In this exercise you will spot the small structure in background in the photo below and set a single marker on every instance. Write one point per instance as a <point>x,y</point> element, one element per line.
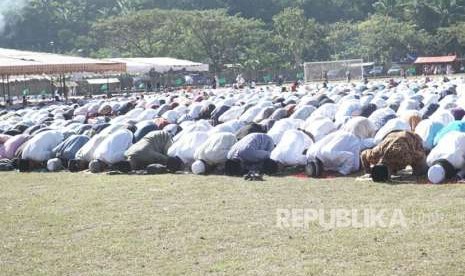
<point>152,74</point>
<point>102,86</point>
<point>439,65</point>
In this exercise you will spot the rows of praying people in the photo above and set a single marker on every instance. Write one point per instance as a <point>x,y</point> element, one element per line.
<point>379,128</point>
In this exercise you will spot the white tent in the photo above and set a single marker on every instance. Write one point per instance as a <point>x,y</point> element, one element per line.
<point>16,62</point>
<point>160,65</point>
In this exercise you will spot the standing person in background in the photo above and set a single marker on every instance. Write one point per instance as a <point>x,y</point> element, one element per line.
<point>214,83</point>
<point>280,80</point>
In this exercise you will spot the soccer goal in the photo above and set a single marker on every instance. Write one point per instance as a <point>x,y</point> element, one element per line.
<point>333,70</point>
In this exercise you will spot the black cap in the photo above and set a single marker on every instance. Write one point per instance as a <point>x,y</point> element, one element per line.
<point>174,164</point>
<point>233,168</point>
<point>380,173</point>
<point>270,167</point>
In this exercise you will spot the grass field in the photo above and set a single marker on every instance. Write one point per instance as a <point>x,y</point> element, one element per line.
<point>80,224</point>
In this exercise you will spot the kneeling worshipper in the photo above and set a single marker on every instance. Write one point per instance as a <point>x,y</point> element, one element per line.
<point>249,129</point>
<point>395,152</point>
<point>291,150</point>
<point>182,151</point>
<point>143,128</point>
<point>68,149</point>
<point>3,139</point>
<point>251,156</point>
<point>337,152</point>
<point>213,153</point>
<point>447,158</point>
<point>361,127</point>
<point>8,151</point>
<point>427,130</point>
<point>381,116</point>
<point>151,149</point>
<point>453,126</point>
<point>392,125</point>
<point>87,153</point>
<point>110,152</point>
<point>38,150</point>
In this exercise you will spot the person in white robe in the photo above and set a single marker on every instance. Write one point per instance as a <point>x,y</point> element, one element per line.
<point>447,157</point>
<point>338,152</point>
<point>39,149</point>
<point>213,153</point>
<point>291,150</point>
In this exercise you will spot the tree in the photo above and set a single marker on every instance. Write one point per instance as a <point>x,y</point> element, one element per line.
<point>387,7</point>
<point>343,40</point>
<point>450,39</point>
<point>433,14</point>
<point>295,35</point>
<point>384,38</point>
<point>447,11</point>
<point>144,34</point>
<point>221,38</point>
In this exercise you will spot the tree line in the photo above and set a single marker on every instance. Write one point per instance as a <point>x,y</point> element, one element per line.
<point>256,35</point>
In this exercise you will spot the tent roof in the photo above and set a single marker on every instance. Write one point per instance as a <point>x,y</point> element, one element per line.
<point>16,62</point>
<point>160,65</point>
<point>14,79</point>
<point>103,81</point>
<point>441,59</point>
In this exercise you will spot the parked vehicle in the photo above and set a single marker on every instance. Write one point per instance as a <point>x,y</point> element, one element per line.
<point>395,70</point>
<point>376,71</point>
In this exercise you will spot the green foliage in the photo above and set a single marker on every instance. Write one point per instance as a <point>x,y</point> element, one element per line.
<point>259,35</point>
<point>295,35</point>
<point>221,38</point>
<point>383,38</point>
<point>342,40</point>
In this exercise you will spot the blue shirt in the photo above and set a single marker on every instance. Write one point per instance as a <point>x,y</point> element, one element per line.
<point>454,126</point>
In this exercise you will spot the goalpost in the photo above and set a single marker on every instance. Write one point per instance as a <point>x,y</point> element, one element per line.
<point>333,70</point>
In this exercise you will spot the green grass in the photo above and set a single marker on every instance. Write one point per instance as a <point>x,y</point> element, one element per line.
<point>80,224</point>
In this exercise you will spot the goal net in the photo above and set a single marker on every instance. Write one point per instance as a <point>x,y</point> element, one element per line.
<point>333,70</point>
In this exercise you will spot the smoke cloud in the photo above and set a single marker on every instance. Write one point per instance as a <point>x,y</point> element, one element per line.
<point>8,7</point>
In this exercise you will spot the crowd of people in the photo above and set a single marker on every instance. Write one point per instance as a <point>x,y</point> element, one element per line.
<point>377,127</point>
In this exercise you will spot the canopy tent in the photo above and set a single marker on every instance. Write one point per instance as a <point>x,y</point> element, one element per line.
<point>16,62</point>
<point>436,60</point>
<point>25,78</point>
<point>160,65</point>
<point>103,81</point>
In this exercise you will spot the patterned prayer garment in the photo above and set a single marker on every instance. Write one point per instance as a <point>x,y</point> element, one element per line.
<point>397,151</point>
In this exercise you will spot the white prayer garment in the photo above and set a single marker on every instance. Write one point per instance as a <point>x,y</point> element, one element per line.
<point>40,147</point>
<point>451,148</point>
<point>339,152</point>
<point>215,150</point>
<point>186,146</point>
<point>290,150</point>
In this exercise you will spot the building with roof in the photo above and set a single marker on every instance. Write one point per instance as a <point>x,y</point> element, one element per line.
<point>437,65</point>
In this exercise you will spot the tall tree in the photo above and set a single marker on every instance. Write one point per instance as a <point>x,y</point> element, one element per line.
<point>222,38</point>
<point>295,34</point>
<point>447,11</point>
<point>384,39</point>
<point>387,7</point>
